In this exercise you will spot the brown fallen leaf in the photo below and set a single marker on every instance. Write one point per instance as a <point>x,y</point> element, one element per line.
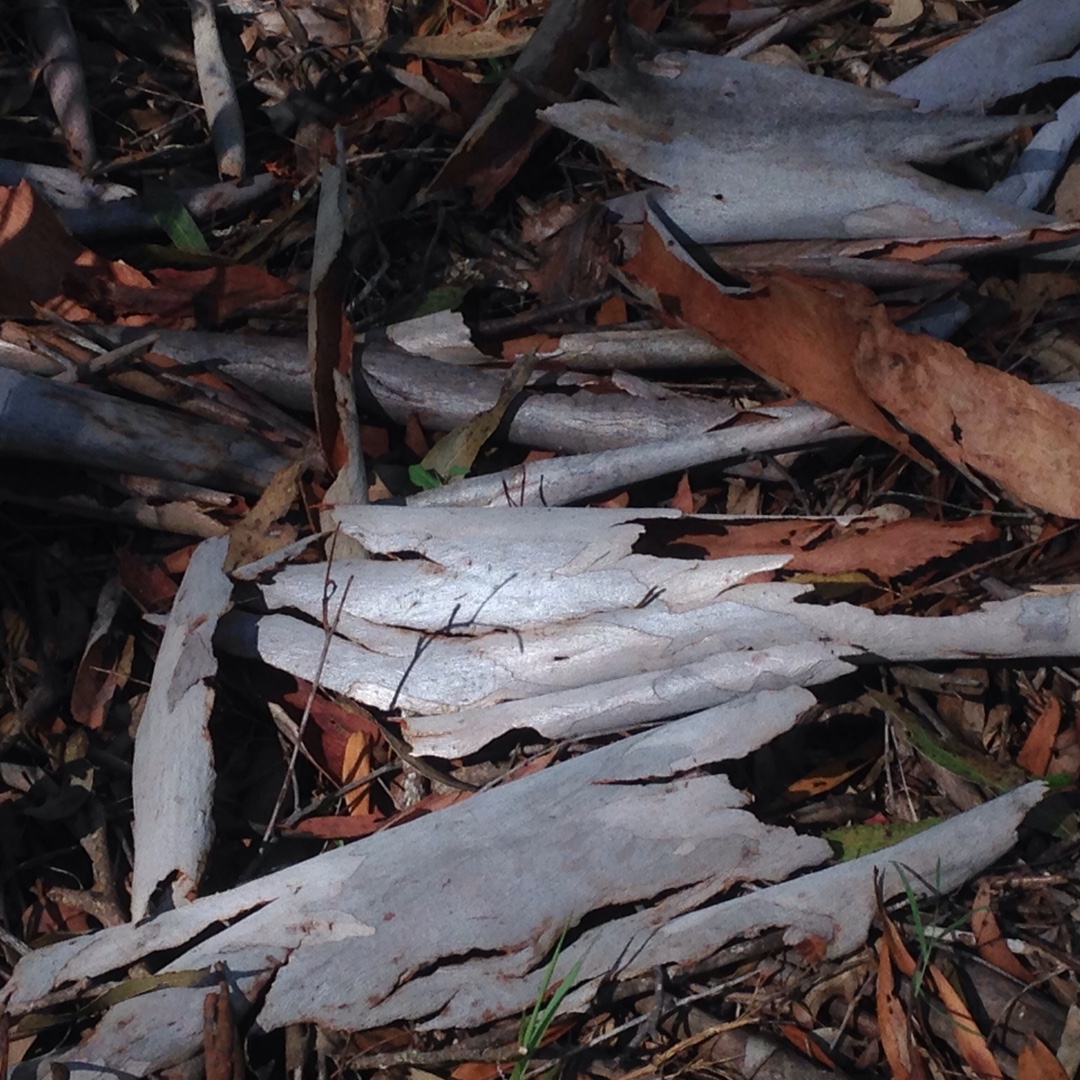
<point>976,416</point>
<point>970,1041</point>
<point>757,538</point>
<point>683,499</point>
<point>1035,754</point>
<point>797,331</point>
<point>466,42</point>
<point>261,530</point>
<point>989,939</point>
<point>884,549</point>
<point>40,261</point>
<point>206,298</point>
<point>893,548</point>
<point>453,455</point>
<point>834,344</point>
<point>1036,1061</point>
<point>223,1047</point>
<point>897,1037</point>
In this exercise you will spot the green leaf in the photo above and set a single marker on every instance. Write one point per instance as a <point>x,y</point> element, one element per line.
<point>441,298</point>
<point>174,218</point>
<point>948,752</point>
<point>424,478</point>
<point>533,1026</point>
<point>854,841</point>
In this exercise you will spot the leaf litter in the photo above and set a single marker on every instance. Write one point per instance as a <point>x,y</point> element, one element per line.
<point>818,594</point>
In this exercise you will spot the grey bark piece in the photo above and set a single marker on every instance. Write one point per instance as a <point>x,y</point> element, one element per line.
<point>346,964</point>
<point>63,74</point>
<point>51,421</point>
<point>1008,54</point>
<point>618,704</point>
<point>173,770</point>
<point>62,188</point>
<point>469,703</point>
<point>568,537</point>
<point>442,397</point>
<point>836,904</point>
<point>482,669</point>
<point>501,873</point>
<point>632,350</point>
<point>128,218</point>
<point>563,480</point>
<point>507,596</point>
<point>275,366</point>
<point>545,619</point>
<point>1029,181</point>
<point>751,152</point>
<point>806,646</point>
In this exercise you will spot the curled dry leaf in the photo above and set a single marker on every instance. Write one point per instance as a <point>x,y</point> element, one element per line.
<point>976,416</point>
<point>796,331</point>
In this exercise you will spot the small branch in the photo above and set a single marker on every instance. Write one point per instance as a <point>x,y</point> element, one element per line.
<point>218,92</point>
<point>62,70</point>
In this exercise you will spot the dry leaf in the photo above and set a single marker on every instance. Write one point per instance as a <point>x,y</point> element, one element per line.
<point>40,262</point>
<point>683,499</point>
<point>1037,1062</point>
<point>969,1040</point>
<point>465,42</point>
<point>797,331</point>
<point>988,936</point>
<point>357,761</point>
<point>1035,754</point>
<point>453,455</point>
<point>223,1046</point>
<point>884,549</point>
<point>893,548</point>
<point>260,532</point>
<point>976,416</point>
<point>897,1038</point>
<point>901,13</point>
<point>832,343</point>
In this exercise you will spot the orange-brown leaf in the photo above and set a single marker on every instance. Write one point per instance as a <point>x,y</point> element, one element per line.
<point>42,263</point>
<point>897,1038</point>
<point>897,949</point>
<point>893,548</point>
<point>989,939</point>
<point>1036,1062</point>
<point>976,416</point>
<point>1039,745</point>
<point>801,332</point>
<point>972,1045</point>
<point>835,345</point>
<point>683,499</point>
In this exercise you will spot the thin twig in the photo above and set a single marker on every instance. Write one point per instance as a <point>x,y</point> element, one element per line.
<point>218,92</point>
<point>62,70</point>
<point>329,630</point>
